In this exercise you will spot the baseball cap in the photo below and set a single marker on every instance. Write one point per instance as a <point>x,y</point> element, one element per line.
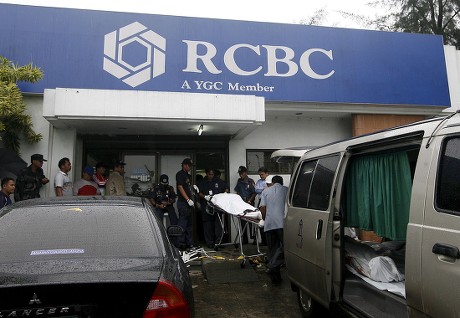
<point>187,161</point>
<point>242,169</point>
<point>89,170</point>
<point>164,179</point>
<point>119,163</point>
<point>38,157</point>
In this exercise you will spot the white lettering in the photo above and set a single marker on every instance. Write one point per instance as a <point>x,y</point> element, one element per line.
<point>272,61</point>
<point>230,63</point>
<point>306,67</point>
<point>207,85</point>
<point>277,56</point>
<point>193,57</point>
<point>185,85</point>
<point>250,88</point>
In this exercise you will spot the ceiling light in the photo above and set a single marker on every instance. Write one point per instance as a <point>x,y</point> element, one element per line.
<point>200,130</point>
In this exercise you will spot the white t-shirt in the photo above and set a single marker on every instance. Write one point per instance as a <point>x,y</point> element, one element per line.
<point>63,180</point>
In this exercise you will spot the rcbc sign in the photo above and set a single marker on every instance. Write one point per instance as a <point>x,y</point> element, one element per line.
<point>134,39</point>
<point>117,46</point>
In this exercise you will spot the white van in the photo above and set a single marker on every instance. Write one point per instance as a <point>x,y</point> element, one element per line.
<point>403,186</point>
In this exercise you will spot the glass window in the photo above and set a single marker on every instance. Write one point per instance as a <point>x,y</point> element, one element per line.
<point>322,183</point>
<point>303,184</point>
<point>262,158</point>
<point>314,183</point>
<point>448,183</point>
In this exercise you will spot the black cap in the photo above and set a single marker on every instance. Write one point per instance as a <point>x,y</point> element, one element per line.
<point>119,163</point>
<point>38,157</point>
<point>164,179</point>
<point>187,161</point>
<point>242,169</point>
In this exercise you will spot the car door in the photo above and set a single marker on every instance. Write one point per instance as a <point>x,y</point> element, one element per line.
<point>440,239</point>
<point>308,246</point>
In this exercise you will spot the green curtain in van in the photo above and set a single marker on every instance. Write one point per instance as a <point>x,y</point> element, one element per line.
<point>378,194</point>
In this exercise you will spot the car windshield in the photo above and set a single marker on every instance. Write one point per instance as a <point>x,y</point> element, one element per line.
<point>76,231</point>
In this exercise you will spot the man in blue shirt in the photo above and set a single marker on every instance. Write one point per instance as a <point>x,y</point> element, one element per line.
<point>245,188</point>
<point>185,204</point>
<point>8,186</point>
<point>209,186</point>
<point>272,206</point>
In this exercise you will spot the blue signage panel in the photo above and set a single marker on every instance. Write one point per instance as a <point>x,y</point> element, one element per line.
<point>282,62</point>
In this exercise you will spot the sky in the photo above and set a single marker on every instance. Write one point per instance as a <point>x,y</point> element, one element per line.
<point>284,11</point>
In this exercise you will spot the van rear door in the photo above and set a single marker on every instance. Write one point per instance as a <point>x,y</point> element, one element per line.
<point>308,226</point>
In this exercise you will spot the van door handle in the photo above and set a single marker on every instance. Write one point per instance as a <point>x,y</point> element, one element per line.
<point>446,249</point>
<point>319,229</point>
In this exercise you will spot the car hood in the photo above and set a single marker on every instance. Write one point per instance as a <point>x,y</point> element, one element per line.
<point>81,271</point>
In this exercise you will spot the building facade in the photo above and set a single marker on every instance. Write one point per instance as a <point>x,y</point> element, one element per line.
<point>152,90</point>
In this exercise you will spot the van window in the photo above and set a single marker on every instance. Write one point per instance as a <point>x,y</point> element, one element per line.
<point>314,183</point>
<point>448,184</point>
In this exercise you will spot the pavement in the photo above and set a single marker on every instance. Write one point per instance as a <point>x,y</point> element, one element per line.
<point>222,287</point>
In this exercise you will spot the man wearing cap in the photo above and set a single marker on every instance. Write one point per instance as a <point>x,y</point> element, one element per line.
<point>162,197</point>
<point>245,188</point>
<point>30,180</point>
<point>62,183</point>
<point>185,204</point>
<point>86,185</point>
<point>116,183</point>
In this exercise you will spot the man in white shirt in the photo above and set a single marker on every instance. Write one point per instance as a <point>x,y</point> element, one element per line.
<point>62,182</point>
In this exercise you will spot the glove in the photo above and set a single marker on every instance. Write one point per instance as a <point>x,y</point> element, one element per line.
<point>207,197</point>
<point>196,188</point>
<point>190,202</point>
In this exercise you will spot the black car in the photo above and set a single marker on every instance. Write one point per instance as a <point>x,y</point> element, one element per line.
<point>85,257</point>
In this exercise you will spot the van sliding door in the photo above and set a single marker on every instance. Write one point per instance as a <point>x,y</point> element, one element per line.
<point>308,246</point>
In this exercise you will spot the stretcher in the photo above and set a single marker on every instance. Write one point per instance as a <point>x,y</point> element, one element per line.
<point>234,205</point>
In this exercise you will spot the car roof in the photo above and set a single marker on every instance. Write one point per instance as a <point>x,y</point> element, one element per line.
<point>82,200</point>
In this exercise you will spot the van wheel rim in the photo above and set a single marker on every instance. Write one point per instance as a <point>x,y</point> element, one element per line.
<point>305,302</point>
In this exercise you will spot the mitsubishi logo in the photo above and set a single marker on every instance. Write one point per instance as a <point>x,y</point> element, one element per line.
<point>34,300</point>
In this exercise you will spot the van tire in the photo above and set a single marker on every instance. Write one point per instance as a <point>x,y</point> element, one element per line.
<point>308,307</point>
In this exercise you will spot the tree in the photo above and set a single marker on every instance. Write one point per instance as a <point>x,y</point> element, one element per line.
<point>14,122</point>
<point>420,16</point>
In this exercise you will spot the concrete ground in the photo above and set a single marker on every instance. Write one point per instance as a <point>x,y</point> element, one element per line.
<point>232,291</point>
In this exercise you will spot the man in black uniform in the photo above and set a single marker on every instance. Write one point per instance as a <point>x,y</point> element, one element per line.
<point>185,204</point>
<point>211,226</point>
<point>30,180</point>
<point>162,197</point>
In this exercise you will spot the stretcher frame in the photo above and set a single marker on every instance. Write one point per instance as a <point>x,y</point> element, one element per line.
<point>242,230</point>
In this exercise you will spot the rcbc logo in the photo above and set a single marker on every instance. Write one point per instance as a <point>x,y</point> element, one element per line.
<point>134,54</point>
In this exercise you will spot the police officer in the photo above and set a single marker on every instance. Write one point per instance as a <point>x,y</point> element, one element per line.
<point>30,180</point>
<point>185,204</point>
<point>162,197</point>
<point>209,186</point>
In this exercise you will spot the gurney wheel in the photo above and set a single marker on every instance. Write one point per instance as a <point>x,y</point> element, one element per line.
<point>243,263</point>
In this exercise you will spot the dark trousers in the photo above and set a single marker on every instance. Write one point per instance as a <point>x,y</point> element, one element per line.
<point>211,227</point>
<point>275,246</point>
<point>186,223</point>
<point>171,214</point>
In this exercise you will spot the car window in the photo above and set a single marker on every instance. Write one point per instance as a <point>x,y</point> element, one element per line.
<point>448,181</point>
<point>65,231</point>
<point>314,183</point>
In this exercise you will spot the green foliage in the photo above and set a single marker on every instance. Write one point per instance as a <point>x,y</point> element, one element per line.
<point>14,122</point>
<point>421,16</point>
